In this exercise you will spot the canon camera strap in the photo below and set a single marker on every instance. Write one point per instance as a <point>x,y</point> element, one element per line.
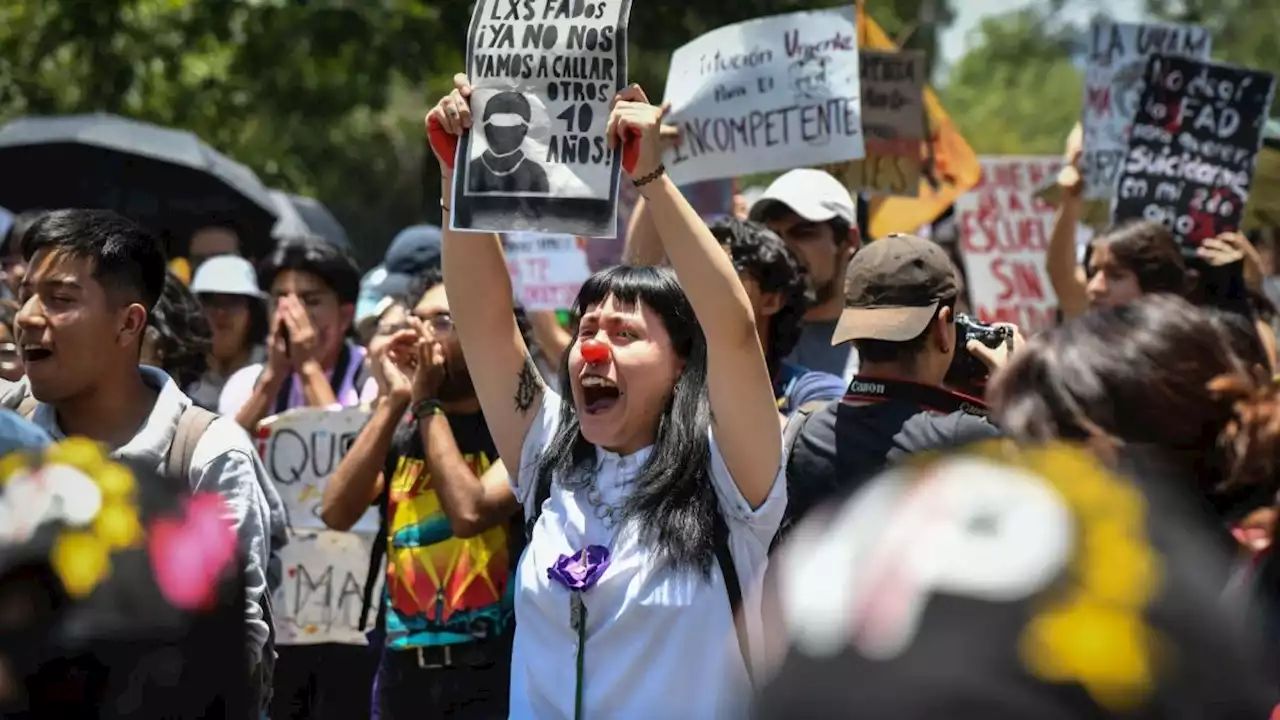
<point>864,388</point>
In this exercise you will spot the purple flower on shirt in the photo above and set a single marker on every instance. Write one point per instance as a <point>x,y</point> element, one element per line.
<point>582,570</point>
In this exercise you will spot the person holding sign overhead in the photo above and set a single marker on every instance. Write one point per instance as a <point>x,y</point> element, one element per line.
<point>653,488</point>
<point>503,166</point>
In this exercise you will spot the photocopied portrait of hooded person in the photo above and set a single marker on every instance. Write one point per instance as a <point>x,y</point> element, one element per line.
<point>503,167</point>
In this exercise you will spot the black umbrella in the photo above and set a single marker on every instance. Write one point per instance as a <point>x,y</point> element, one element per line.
<point>320,220</point>
<point>300,216</point>
<point>167,179</point>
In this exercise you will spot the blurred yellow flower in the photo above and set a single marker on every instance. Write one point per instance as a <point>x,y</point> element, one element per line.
<point>1107,650</point>
<point>78,452</point>
<point>117,526</point>
<point>116,482</point>
<point>81,562</point>
<point>14,462</point>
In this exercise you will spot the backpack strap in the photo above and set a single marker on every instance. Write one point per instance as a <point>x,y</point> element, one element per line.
<point>192,424</point>
<point>378,553</point>
<point>27,407</point>
<point>733,586</point>
<point>797,421</point>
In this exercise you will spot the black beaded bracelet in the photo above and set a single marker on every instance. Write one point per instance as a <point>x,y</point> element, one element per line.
<point>425,407</point>
<point>651,176</point>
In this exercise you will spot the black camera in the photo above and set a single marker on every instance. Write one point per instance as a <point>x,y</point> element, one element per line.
<point>967,373</point>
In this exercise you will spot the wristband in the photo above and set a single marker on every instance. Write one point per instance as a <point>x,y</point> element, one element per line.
<point>423,408</point>
<point>641,181</point>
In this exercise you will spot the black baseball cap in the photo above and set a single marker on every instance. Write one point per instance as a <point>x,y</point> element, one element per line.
<point>414,249</point>
<point>893,288</point>
<point>1004,582</point>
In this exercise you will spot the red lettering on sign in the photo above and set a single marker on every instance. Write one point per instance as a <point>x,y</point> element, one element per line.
<point>1098,100</point>
<point>1018,279</point>
<point>986,232</point>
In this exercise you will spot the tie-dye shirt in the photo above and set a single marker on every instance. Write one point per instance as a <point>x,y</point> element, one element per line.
<point>443,590</point>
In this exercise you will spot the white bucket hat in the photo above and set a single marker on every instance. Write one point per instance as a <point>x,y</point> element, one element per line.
<point>227,275</point>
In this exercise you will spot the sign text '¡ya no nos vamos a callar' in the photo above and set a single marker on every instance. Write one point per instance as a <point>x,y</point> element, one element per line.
<point>541,39</point>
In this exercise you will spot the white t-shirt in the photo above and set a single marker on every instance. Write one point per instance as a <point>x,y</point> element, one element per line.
<point>660,643</point>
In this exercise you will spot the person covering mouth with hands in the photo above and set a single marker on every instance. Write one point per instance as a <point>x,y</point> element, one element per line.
<point>652,490</point>
<point>310,362</point>
<point>427,460</point>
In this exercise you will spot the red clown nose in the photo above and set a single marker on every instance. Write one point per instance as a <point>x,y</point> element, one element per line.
<point>594,351</point>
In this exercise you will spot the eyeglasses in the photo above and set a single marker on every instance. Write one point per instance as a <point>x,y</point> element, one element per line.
<point>440,322</point>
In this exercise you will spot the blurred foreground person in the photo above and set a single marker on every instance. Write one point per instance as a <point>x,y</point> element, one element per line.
<point>93,279</point>
<point>1156,377</point>
<point>123,594</point>
<point>1179,386</point>
<point>1008,584</point>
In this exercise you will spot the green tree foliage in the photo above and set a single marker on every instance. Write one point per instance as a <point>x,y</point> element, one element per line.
<point>1244,31</point>
<point>1017,91</point>
<point>323,98</point>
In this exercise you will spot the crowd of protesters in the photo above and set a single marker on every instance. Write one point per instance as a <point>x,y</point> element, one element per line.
<point>768,466</point>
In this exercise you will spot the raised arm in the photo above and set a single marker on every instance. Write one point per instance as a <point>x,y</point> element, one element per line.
<point>742,403</point>
<point>479,289</point>
<point>358,481</point>
<point>1060,259</point>
<point>643,246</point>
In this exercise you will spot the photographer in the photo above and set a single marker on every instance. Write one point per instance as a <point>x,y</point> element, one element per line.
<point>900,296</point>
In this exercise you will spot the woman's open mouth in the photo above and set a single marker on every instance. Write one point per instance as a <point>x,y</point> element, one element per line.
<point>598,394</point>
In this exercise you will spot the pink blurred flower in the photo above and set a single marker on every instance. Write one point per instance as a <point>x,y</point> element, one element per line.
<point>190,554</point>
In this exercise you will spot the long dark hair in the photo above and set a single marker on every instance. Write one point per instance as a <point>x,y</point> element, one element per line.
<point>184,336</point>
<point>673,505</point>
<point>760,253</point>
<point>1155,374</point>
<point>1147,249</point>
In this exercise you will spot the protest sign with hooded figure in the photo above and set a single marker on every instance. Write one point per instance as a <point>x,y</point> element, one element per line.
<point>543,75</point>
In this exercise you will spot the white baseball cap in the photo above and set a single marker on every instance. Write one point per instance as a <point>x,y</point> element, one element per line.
<point>814,195</point>
<point>227,275</point>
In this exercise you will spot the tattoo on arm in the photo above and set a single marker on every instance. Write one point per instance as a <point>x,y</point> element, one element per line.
<point>530,384</point>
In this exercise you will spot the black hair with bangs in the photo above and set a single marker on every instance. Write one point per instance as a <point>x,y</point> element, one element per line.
<point>673,505</point>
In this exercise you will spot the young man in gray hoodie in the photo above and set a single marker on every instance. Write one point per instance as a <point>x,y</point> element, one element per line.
<point>93,279</point>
